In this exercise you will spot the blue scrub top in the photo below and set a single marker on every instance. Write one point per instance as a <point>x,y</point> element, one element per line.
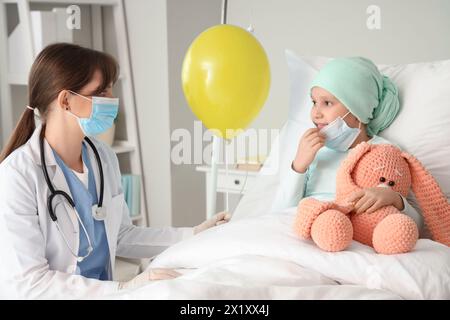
<point>97,264</point>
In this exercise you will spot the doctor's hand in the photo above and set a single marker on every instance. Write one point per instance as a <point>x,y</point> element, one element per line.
<point>147,276</point>
<point>217,219</point>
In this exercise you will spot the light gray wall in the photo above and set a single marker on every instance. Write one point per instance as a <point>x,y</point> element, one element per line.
<point>185,20</point>
<point>1,131</point>
<point>411,31</point>
<point>147,31</point>
<point>161,30</point>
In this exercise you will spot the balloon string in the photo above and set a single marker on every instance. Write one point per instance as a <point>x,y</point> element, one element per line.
<point>227,198</point>
<point>250,27</point>
<point>224,12</point>
<point>251,13</point>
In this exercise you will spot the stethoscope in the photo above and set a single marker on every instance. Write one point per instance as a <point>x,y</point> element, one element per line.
<point>98,212</point>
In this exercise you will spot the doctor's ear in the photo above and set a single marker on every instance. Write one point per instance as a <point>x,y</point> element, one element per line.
<point>63,99</point>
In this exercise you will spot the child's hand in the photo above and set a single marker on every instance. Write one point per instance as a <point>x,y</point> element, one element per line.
<point>369,200</point>
<point>308,146</point>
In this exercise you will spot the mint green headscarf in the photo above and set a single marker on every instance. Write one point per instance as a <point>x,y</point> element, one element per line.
<point>359,85</point>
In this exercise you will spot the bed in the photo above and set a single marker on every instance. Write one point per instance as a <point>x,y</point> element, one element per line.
<point>257,255</point>
<point>260,258</point>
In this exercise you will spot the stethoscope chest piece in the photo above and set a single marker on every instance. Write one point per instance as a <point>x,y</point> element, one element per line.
<point>99,213</point>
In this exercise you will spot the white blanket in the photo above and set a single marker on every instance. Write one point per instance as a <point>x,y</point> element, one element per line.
<point>260,258</point>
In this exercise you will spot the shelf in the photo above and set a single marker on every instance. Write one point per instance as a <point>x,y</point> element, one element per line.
<point>231,170</point>
<point>18,47</point>
<point>122,146</point>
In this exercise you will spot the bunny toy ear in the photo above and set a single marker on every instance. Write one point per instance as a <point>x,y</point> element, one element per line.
<point>432,201</point>
<point>344,181</point>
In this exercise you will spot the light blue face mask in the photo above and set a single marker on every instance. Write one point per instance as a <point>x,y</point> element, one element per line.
<point>338,135</point>
<point>104,111</point>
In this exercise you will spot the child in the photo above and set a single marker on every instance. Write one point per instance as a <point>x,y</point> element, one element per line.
<point>352,102</point>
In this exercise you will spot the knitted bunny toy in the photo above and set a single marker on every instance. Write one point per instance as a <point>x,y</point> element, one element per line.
<point>332,225</point>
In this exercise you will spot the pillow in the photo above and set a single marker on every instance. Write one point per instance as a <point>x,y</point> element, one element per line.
<point>259,198</point>
<point>301,75</point>
<point>422,127</point>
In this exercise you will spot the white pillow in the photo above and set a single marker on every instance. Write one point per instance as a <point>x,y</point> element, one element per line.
<point>259,198</point>
<point>422,127</point>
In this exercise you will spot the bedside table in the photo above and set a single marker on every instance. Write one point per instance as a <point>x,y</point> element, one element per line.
<point>237,182</point>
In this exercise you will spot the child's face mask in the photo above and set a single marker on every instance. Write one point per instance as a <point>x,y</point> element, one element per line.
<point>104,111</point>
<point>338,135</point>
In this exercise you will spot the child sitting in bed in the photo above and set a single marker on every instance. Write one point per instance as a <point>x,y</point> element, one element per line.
<point>351,102</point>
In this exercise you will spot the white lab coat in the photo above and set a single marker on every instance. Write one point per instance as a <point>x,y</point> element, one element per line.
<point>34,260</point>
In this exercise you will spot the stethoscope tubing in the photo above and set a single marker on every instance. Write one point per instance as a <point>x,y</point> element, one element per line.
<point>54,193</point>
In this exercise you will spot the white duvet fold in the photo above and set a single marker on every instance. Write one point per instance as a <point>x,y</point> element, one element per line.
<point>260,258</point>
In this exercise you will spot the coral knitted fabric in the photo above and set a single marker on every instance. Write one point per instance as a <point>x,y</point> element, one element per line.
<point>332,239</point>
<point>395,234</point>
<point>365,223</point>
<point>310,209</point>
<point>389,231</point>
<point>432,201</point>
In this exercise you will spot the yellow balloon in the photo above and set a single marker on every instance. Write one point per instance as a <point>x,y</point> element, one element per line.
<point>226,78</point>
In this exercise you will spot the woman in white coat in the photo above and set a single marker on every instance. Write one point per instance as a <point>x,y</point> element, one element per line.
<point>65,247</point>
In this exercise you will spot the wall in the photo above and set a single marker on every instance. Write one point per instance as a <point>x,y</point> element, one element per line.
<point>186,19</point>
<point>161,30</point>
<point>147,31</point>
<point>160,33</point>
<point>411,31</point>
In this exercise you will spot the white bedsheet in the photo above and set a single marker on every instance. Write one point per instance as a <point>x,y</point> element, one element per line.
<point>260,258</point>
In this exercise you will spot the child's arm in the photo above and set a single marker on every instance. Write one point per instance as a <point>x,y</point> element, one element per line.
<point>290,192</point>
<point>410,211</point>
<point>292,182</point>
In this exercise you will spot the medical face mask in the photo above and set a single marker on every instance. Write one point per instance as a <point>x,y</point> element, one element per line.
<point>104,111</point>
<point>338,135</point>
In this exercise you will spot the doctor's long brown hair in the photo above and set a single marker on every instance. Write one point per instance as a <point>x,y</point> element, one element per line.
<point>60,66</point>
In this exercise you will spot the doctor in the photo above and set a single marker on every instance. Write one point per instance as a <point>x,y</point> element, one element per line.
<point>63,217</point>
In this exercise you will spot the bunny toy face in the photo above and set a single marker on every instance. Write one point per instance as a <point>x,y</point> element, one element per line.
<point>383,167</point>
